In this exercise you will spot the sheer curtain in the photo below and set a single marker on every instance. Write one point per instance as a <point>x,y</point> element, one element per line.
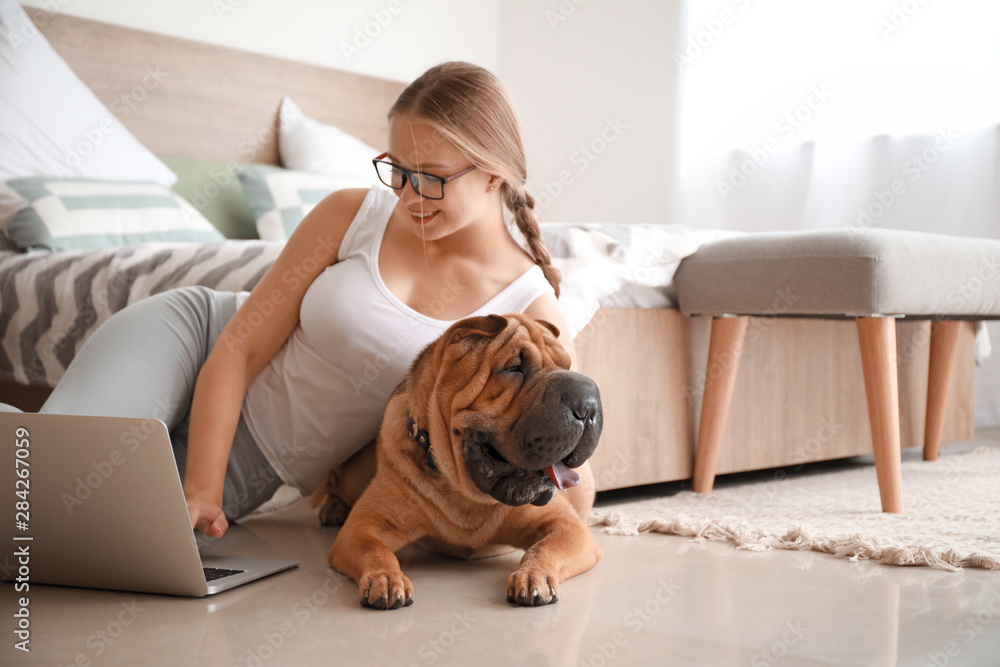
<point>806,115</point>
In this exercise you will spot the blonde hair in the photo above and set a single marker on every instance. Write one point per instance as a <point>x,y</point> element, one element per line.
<point>472,110</point>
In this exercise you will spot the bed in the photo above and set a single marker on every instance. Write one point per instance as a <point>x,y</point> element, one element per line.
<point>214,116</point>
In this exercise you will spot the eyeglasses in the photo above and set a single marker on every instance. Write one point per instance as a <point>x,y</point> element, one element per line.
<point>427,186</point>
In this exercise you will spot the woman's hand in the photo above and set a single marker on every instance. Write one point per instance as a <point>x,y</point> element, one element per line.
<point>207,516</point>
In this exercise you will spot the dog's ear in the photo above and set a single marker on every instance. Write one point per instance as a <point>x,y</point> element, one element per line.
<point>486,325</point>
<point>551,327</point>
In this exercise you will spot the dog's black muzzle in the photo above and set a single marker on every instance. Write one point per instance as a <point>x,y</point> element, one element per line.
<point>562,425</point>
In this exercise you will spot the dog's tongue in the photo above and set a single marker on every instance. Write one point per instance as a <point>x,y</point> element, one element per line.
<point>563,477</point>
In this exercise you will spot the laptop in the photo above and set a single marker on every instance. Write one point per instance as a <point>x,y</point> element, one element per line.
<point>97,502</point>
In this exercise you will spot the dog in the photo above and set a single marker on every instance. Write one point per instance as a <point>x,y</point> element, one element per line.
<point>473,448</point>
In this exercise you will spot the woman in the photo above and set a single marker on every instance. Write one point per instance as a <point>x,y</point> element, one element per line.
<point>295,380</point>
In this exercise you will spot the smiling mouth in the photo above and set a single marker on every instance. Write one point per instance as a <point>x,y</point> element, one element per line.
<point>422,218</point>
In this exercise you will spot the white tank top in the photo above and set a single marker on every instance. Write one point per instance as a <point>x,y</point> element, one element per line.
<point>321,398</point>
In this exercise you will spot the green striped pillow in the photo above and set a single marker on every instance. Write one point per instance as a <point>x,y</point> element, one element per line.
<point>281,198</point>
<point>45,213</point>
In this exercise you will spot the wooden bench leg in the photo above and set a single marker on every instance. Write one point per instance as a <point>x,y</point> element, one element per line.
<point>877,336</point>
<point>724,350</point>
<point>944,340</point>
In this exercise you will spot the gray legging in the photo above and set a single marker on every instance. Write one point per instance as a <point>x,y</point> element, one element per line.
<point>143,362</point>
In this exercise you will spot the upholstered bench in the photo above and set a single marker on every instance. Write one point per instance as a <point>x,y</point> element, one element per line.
<point>870,275</point>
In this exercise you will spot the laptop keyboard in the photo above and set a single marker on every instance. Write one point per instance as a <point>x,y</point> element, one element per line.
<point>214,573</point>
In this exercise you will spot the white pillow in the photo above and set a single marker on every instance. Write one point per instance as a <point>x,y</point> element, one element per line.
<point>52,124</point>
<point>281,198</point>
<point>308,145</point>
<point>41,213</point>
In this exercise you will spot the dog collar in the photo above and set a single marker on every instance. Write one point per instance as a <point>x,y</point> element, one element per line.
<point>422,438</point>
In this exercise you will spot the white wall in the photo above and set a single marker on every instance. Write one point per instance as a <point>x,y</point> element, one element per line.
<point>596,87</point>
<point>394,39</point>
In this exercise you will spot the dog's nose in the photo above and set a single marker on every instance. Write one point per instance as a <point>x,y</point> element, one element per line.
<point>580,394</point>
<point>584,409</point>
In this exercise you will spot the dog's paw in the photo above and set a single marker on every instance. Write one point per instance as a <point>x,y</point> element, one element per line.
<point>385,590</point>
<point>532,588</point>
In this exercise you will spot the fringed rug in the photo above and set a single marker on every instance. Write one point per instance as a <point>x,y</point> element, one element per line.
<point>951,516</point>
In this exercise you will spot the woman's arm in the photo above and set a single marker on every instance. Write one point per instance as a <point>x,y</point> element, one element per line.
<point>247,343</point>
<point>547,308</point>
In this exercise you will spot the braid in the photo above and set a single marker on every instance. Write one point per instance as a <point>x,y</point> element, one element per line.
<point>522,205</point>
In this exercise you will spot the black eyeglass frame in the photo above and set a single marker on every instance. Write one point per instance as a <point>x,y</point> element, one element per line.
<point>409,176</point>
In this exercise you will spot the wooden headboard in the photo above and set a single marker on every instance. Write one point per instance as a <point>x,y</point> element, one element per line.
<point>188,99</point>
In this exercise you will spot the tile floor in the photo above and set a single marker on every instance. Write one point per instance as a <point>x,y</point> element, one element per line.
<point>653,600</point>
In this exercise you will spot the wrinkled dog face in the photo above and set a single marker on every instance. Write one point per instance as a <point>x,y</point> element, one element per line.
<point>526,421</point>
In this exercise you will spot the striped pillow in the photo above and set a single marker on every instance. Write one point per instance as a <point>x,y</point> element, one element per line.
<point>281,198</point>
<point>45,213</point>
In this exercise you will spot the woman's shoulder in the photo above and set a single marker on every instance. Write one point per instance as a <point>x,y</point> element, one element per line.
<point>349,202</point>
<point>326,225</point>
<point>344,203</point>
<point>340,208</point>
